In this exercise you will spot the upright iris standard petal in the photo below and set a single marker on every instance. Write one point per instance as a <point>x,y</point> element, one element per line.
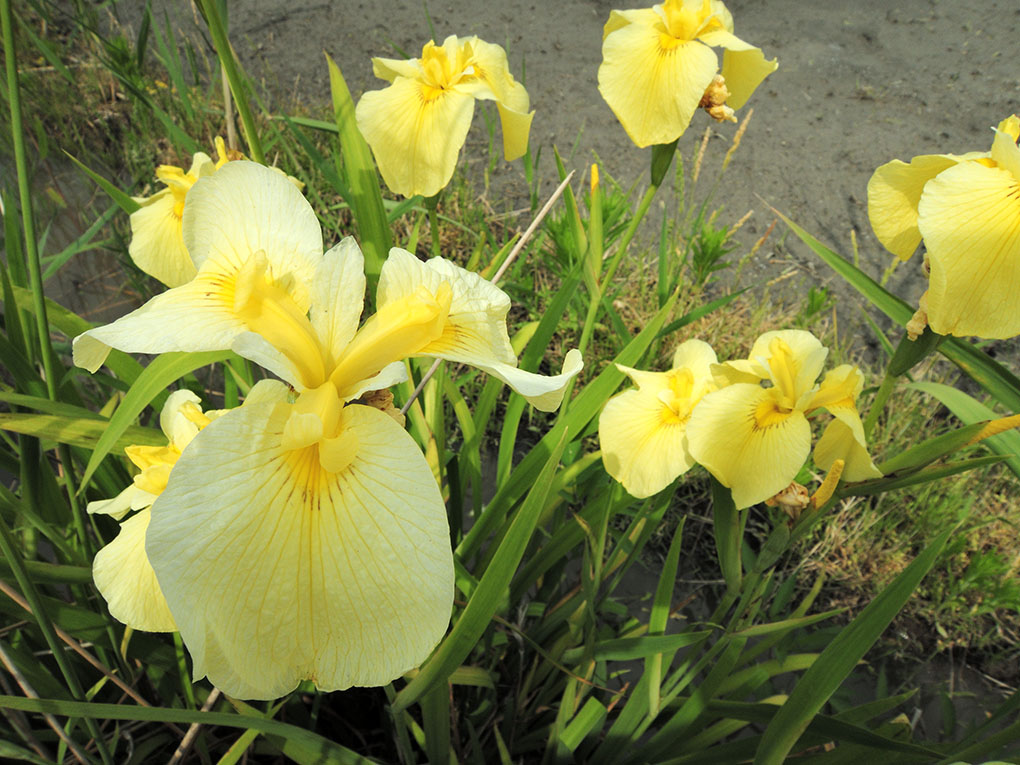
<point>642,432</point>
<point>279,571</point>
<point>240,211</point>
<point>658,67</point>
<point>417,125</point>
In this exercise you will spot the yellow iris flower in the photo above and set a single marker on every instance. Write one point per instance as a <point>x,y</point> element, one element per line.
<point>121,570</point>
<point>966,208</point>
<point>417,125</point>
<point>302,535</point>
<point>157,245</point>
<point>658,67</point>
<point>755,439</point>
<point>642,431</point>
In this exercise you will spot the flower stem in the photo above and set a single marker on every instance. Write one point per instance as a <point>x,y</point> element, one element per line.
<point>878,403</point>
<point>646,202</point>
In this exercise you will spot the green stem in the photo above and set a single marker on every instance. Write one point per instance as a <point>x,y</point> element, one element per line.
<point>25,583</point>
<point>237,84</point>
<point>878,403</point>
<point>646,202</point>
<point>431,204</point>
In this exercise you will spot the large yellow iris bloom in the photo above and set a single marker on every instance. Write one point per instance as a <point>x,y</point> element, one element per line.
<point>642,431</point>
<point>658,67</point>
<point>302,535</point>
<point>417,125</point>
<point>755,439</point>
<point>966,208</point>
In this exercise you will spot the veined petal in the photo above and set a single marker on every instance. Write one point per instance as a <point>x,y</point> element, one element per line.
<point>338,296</point>
<point>254,347</point>
<point>743,67</point>
<point>278,571</point>
<point>126,580</point>
<point>642,442</point>
<point>843,439</point>
<point>653,82</point>
<point>415,132</point>
<point>391,375</point>
<point>970,219</point>
<point>894,192</point>
<point>742,438</point>
<point>475,329</point>
<point>839,389</point>
<point>244,208</point>
<point>542,392</point>
<point>157,245</point>
<point>197,316</point>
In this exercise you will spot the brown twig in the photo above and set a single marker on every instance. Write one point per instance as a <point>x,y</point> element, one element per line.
<point>192,734</point>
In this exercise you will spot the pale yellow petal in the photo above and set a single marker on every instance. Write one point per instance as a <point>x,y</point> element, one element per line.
<point>619,19</point>
<point>244,208</point>
<point>177,427</point>
<point>653,90</point>
<point>894,192</point>
<point>391,374</point>
<point>697,356</point>
<point>278,571</point>
<point>118,506</point>
<point>157,245</point>
<point>390,68</point>
<point>512,101</point>
<point>415,132</point>
<point>125,579</point>
<point>1005,151</point>
<point>642,442</point>
<point>796,368</point>
<point>475,330</point>
<point>743,66</point>
<point>254,347</point>
<point>338,295</point>
<point>843,439</point>
<point>970,219</point>
<point>197,316</point>
<point>740,437</point>
<point>545,393</point>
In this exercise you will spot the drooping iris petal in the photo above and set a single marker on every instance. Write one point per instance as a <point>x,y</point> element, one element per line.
<point>118,506</point>
<point>653,82</point>
<point>747,442</point>
<point>124,576</point>
<point>415,132</point>
<point>512,101</point>
<point>743,67</point>
<point>969,216</point>
<point>894,191</point>
<point>843,439</point>
<point>475,329</point>
<point>279,571</point>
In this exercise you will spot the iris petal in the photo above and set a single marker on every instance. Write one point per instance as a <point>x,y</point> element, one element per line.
<point>278,571</point>
<point>969,216</point>
<point>157,244</point>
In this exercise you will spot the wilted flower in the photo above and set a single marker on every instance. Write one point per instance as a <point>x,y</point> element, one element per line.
<point>642,431</point>
<point>417,125</point>
<point>966,208</point>
<point>658,67</point>
<point>302,535</point>
<point>755,439</point>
